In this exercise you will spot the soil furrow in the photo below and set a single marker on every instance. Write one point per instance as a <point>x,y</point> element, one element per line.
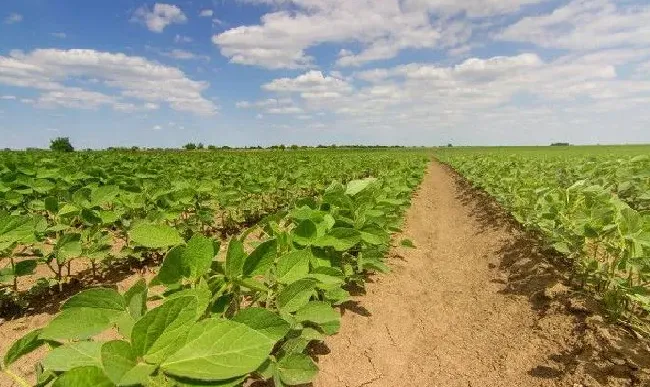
<point>472,305</point>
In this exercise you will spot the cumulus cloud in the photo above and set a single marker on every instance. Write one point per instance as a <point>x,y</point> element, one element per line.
<point>382,28</point>
<point>585,25</point>
<point>311,85</point>
<point>497,92</point>
<point>137,83</point>
<point>206,13</point>
<point>159,17</point>
<point>13,18</point>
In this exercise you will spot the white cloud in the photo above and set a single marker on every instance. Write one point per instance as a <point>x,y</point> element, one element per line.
<point>585,25</point>
<point>494,93</point>
<point>472,8</point>
<point>13,18</point>
<point>272,105</point>
<point>133,79</point>
<point>182,39</point>
<point>284,110</point>
<point>60,35</point>
<point>206,13</point>
<point>183,55</point>
<point>382,28</point>
<point>311,85</point>
<point>8,97</point>
<point>159,17</point>
<point>157,127</point>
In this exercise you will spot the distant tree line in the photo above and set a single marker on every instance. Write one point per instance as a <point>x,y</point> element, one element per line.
<point>63,144</point>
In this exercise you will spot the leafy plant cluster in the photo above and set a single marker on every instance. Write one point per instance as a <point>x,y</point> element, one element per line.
<point>224,321</point>
<point>592,208</point>
<point>56,208</point>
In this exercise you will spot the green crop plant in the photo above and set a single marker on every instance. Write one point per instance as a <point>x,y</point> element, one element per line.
<point>251,314</point>
<point>85,206</point>
<point>590,204</point>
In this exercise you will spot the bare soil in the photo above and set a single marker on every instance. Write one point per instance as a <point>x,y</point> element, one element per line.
<point>475,304</point>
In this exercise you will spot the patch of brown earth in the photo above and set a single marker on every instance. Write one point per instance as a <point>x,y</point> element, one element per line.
<point>475,304</point>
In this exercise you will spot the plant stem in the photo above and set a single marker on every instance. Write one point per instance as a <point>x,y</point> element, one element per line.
<point>13,270</point>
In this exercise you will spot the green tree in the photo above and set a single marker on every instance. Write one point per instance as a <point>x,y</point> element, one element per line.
<point>190,146</point>
<point>61,144</point>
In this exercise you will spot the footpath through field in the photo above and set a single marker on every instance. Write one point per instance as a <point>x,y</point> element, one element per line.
<point>472,305</point>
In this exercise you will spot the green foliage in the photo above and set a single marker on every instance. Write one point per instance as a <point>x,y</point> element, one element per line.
<point>219,323</point>
<point>61,144</point>
<point>591,204</point>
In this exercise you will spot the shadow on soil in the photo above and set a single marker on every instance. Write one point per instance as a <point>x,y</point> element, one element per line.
<point>595,350</point>
<point>49,299</point>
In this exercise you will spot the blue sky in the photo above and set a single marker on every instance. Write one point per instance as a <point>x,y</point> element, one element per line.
<point>261,72</point>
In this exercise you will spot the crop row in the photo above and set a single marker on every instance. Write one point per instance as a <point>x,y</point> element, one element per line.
<point>592,208</point>
<point>83,206</point>
<point>223,321</point>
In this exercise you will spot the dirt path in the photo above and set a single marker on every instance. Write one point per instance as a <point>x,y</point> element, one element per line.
<point>473,305</point>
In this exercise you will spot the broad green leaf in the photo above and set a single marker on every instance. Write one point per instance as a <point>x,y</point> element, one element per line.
<point>23,346</point>
<point>296,368</point>
<point>26,267</point>
<point>296,295</point>
<point>117,358</point>
<point>155,235</point>
<point>135,299</point>
<point>85,314</point>
<point>305,233</point>
<point>263,321</point>
<point>219,349</point>
<point>322,314</point>
<point>79,323</point>
<point>374,235</point>
<point>253,284</point>
<point>103,194</point>
<point>293,266</point>
<point>258,262</point>
<point>138,375</point>
<point>98,298</point>
<point>162,330</point>
<point>68,247</point>
<point>337,295</point>
<point>340,238</point>
<point>201,293</point>
<point>51,204</point>
<point>198,255</point>
<point>296,345</point>
<point>68,209</point>
<point>73,355</point>
<point>172,269</point>
<point>83,376</point>
<point>356,186</point>
<point>235,257</point>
